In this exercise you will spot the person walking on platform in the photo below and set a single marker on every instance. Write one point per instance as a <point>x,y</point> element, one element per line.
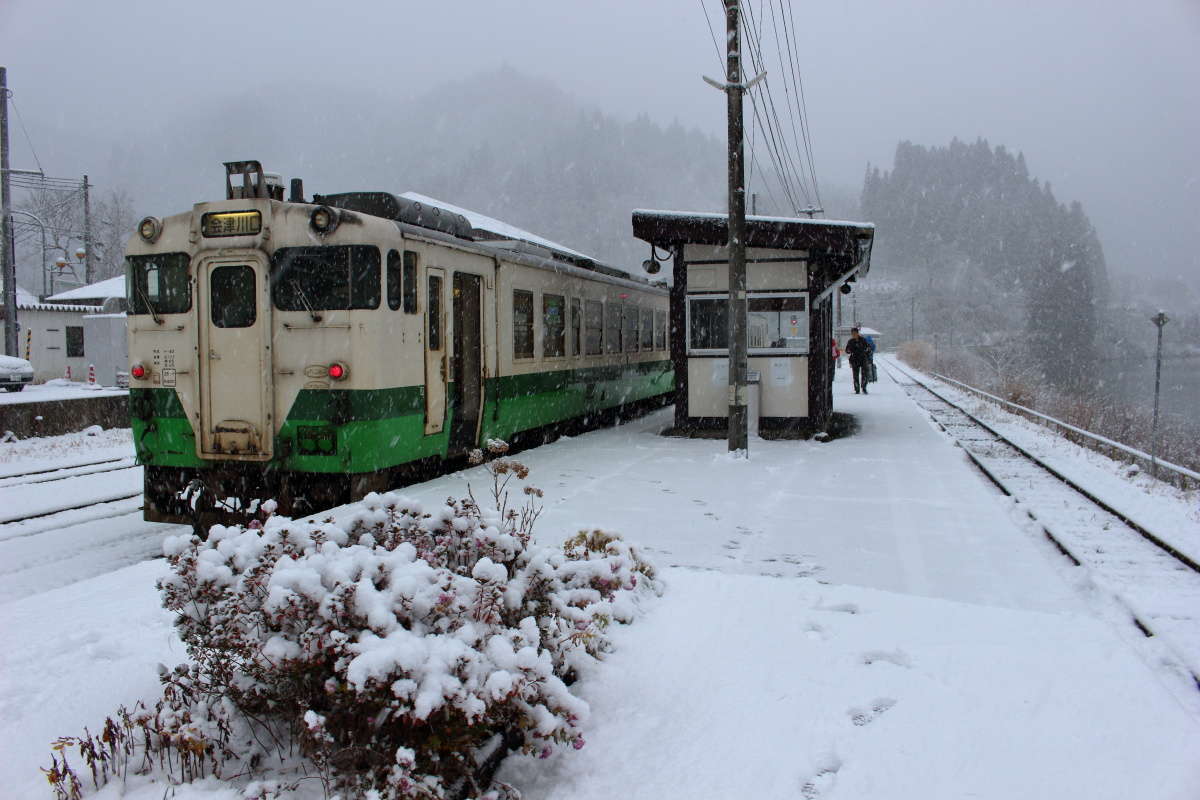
<point>872,376</point>
<point>859,352</point>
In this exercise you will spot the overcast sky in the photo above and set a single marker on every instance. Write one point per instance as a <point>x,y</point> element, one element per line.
<point>1103,97</point>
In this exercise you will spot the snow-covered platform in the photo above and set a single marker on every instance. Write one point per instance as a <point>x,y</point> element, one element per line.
<point>863,618</point>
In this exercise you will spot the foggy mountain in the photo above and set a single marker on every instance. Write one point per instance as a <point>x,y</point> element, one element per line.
<point>501,143</point>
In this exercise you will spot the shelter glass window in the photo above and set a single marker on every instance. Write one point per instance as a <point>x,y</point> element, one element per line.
<point>593,326</point>
<point>777,323</point>
<point>660,330</point>
<point>232,296</point>
<point>435,312</point>
<point>612,328</point>
<point>522,324</point>
<point>158,284</point>
<point>554,325</point>
<point>647,329</point>
<point>708,323</point>
<point>410,282</point>
<point>326,278</point>
<point>576,327</point>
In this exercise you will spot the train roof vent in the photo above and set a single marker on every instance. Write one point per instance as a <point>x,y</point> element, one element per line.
<point>400,209</point>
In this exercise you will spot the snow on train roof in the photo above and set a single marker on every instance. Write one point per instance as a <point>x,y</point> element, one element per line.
<point>494,226</point>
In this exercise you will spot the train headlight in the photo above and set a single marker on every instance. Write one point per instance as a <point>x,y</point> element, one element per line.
<point>324,220</point>
<point>138,371</point>
<point>150,229</point>
<point>338,371</point>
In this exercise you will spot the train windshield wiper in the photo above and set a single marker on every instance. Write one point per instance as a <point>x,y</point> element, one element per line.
<point>304,299</point>
<point>146,300</point>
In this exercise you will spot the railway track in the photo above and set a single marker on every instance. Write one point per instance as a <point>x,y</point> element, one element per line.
<point>64,473</point>
<point>1155,580</point>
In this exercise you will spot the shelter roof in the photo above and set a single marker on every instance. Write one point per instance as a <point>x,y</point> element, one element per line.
<point>840,244</point>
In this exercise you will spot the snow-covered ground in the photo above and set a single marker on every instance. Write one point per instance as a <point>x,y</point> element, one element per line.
<point>57,389</point>
<point>864,618</point>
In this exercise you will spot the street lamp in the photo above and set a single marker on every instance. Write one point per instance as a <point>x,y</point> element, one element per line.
<point>1160,320</point>
<point>41,224</point>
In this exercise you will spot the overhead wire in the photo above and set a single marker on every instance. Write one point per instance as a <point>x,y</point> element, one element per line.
<point>784,168</point>
<point>788,70</point>
<point>13,102</point>
<point>808,142</point>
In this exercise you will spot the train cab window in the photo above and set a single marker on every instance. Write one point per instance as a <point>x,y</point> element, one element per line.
<point>612,328</point>
<point>232,297</point>
<point>647,329</point>
<point>629,328</point>
<point>522,324</point>
<point>410,282</point>
<point>593,327</point>
<point>394,280</point>
<point>326,278</point>
<point>576,327</point>
<point>435,312</point>
<point>158,284</point>
<point>660,330</point>
<point>554,326</point>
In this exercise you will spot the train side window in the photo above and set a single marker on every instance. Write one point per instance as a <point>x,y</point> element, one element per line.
<point>394,280</point>
<point>576,327</point>
<point>593,327</point>
<point>232,296</point>
<point>554,325</point>
<point>660,330</point>
<point>612,328</point>
<point>522,324</point>
<point>647,329</point>
<point>410,282</point>
<point>629,328</point>
<point>435,312</point>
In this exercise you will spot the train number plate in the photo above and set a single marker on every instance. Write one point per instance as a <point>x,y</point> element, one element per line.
<point>231,223</point>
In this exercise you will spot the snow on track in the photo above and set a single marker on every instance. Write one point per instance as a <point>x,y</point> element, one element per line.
<point>1161,591</point>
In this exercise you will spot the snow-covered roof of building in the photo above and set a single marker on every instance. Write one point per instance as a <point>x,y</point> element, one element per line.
<point>495,227</point>
<point>27,301</point>
<point>101,290</point>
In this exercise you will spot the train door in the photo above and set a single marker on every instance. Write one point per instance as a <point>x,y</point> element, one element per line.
<point>233,339</point>
<point>435,352</point>
<point>467,374</point>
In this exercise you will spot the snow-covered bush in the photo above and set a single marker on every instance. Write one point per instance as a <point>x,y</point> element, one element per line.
<point>397,652</point>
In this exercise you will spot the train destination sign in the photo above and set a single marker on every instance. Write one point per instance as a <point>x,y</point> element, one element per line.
<point>231,223</point>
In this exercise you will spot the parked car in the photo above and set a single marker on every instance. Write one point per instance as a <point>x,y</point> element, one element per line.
<point>15,373</point>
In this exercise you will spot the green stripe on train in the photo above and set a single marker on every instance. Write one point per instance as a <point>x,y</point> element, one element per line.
<point>379,428</point>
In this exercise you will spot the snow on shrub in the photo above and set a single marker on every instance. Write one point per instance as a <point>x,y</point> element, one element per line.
<point>403,653</point>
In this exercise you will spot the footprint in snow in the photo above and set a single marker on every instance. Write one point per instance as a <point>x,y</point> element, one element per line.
<point>861,717</point>
<point>824,778</point>
<point>731,545</point>
<point>815,631</point>
<point>840,608</point>
<point>897,657</point>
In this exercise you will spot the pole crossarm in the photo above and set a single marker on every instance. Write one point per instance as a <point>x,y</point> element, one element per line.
<point>725,87</point>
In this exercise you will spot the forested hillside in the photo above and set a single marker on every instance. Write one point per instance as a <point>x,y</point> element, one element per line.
<point>989,254</point>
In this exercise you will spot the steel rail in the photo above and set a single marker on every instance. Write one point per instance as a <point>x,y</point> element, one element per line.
<point>1101,440</point>
<point>1149,535</point>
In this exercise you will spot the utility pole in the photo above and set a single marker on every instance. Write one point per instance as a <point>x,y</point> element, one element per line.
<point>87,234</point>
<point>11,345</point>
<point>734,88</point>
<point>1160,320</point>
<point>912,318</point>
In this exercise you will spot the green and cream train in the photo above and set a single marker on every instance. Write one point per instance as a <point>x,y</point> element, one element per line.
<point>313,351</point>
